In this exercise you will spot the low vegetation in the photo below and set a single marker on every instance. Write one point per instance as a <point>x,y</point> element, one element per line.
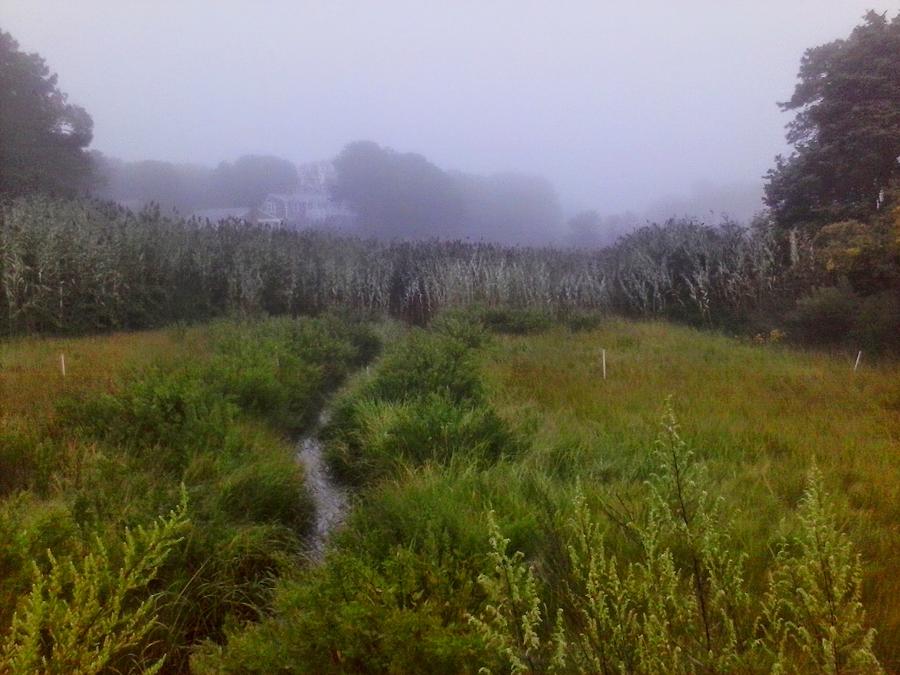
<point>517,512</point>
<point>192,421</point>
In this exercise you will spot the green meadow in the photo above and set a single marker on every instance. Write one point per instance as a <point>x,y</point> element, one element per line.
<point>710,505</point>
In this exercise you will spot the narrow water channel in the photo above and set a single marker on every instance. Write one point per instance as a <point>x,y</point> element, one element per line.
<point>330,499</point>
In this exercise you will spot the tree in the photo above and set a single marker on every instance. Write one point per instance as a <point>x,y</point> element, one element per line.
<point>250,178</point>
<point>184,187</point>
<point>396,194</point>
<point>43,138</point>
<point>846,133</point>
<point>510,207</point>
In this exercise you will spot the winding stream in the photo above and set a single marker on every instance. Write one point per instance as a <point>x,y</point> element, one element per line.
<point>330,499</point>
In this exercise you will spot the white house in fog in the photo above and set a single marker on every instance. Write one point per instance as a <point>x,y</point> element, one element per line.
<point>305,207</point>
<point>311,203</point>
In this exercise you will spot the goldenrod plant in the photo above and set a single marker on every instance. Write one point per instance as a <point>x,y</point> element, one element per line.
<point>96,613</point>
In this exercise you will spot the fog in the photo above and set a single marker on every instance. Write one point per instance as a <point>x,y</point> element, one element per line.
<point>645,108</point>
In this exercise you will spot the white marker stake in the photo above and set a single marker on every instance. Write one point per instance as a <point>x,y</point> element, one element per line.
<point>858,358</point>
<point>604,363</point>
<point>62,363</point>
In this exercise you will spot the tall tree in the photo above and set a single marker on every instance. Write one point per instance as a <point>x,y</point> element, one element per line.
<point>43,137</point>
<point>846,133</point>
<point>250,178</point>
<point>396,194</point>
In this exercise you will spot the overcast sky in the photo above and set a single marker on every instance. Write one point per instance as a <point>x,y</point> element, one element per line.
<point>622,104</point>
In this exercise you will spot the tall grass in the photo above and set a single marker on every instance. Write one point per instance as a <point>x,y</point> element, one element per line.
<point>758,417</point>
<point>599,537</point>
<point>70,267</point>
<point>136,420</point>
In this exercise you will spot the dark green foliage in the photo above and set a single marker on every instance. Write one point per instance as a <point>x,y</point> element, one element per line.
<point>826,315</point>
<point>846,132</point>
<point>516,321</point>
<point>164,417</point>
<point>403,613</point>
<point>423,404</point>
<point>377,439</point>
<point>877,324</point>
<point>426,363</point>
<point>212,425</point>
<point>27,458</point>
<point>42,136</point>
<point>265,492</point>
<point>281,369</point>
<point>584,321</point>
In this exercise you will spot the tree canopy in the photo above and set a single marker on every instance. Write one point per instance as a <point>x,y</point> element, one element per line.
<point>43,137</point>
<point>395,194</point>
<point>404,195</point>
<point>846,134</point>
<point>248,180</point>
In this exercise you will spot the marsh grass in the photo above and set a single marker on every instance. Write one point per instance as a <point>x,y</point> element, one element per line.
<point>137,419</point>
<point>758,417</point>
<point>450,424</point>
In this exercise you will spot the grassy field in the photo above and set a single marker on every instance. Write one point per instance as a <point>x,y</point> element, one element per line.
<point>758,416</point>
<point>452,423</point>
<point>152,492</point>
<point>514,510</point>
<point>31,379</point>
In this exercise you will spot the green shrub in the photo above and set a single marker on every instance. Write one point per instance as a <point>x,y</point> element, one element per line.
<point>266,490</point>
<point>516,321</point>
<point>29,528</point>
<point>27,458</point>
<point>825,316</point>
<point>96,614</point>
<point>877,324</point>
<point>163,417</point>
<point>584,321</point>
<point>213,423</point>
<point>378,438</point>
<point>403,613</point>
<point>423,364</point>
<point>683,605</point>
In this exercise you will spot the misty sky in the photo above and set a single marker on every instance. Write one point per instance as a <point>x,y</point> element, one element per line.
<point>623,105</point>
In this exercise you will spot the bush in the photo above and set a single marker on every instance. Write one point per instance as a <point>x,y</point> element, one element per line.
<point>115,460</point>
<point>825,316</point>
<point>378,438</point>
<point>27,458</point>
<point>584,321</point>
<point>516,321</point>
<point>684,604</point>
<point>404,613</point>
<point>98,613</point>
<point>877,325</point>
<point>423,364</point>
<point>29,528</point>
<point>266,490</point>
<point>163,417</point>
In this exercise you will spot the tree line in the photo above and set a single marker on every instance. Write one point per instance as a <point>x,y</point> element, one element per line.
<point>823,261</point>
